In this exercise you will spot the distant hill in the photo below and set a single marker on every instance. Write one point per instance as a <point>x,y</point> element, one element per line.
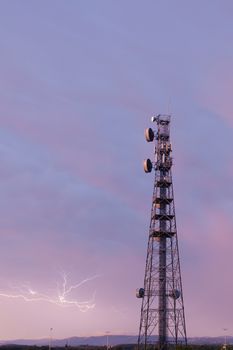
<point>75,341</point>
<point>112,340</point>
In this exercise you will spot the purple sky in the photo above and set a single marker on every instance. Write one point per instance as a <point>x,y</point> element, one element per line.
<point>78,83</point>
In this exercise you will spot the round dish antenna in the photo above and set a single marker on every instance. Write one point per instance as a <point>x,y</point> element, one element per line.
<point>147,165</point>
<point>175,294</point>
<point>140,292</point>
<point>149,135</point>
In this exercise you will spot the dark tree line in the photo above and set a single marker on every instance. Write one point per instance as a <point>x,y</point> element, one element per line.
<point>117,347</point>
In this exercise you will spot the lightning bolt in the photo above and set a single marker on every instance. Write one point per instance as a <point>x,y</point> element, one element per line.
<point>62,297</point>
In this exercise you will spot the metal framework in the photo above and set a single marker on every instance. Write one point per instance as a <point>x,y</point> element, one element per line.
<point>162,323</point>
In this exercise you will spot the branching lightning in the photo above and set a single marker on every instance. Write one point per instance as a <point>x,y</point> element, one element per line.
<point>62,297</point>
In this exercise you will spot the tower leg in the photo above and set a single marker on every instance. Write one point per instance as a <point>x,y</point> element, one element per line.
<point>162,294</point>
<point>162,279</point>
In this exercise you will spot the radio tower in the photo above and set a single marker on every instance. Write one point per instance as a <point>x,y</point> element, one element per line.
<point>162,323</point>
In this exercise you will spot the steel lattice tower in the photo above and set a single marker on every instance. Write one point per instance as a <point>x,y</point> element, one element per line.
<point>162,323</point>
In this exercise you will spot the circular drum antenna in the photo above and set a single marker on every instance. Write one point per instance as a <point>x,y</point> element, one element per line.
<point>147,165</point>
<point>175,294</point>
<point>149,135</point>
<point>140,292</point>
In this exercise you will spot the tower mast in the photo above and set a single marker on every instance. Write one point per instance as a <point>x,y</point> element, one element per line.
<point>162,322</point>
